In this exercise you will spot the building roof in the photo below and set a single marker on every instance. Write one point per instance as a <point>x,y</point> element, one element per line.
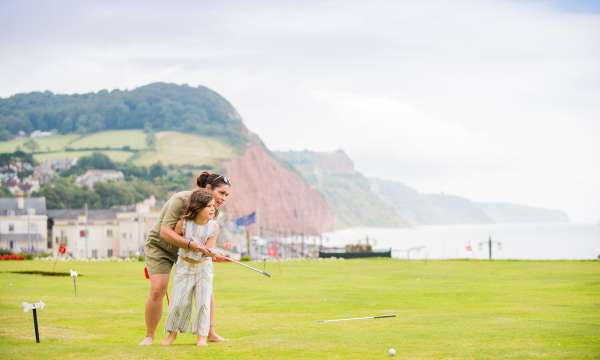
<point>65,213</point>
<point>73,214</point>
<point>10,205</point>
<point>22,237</point>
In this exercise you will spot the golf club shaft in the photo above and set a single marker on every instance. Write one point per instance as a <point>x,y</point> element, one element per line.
<point>248,266</point>
<point>358,318</point>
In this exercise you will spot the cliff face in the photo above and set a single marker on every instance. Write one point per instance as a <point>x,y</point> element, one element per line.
<point>347,191</point>
<point>283,200</point>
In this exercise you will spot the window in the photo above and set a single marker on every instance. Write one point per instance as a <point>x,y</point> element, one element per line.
<point>95,253</point>
<point>109,253</point>
<point>109,233</point>
<point>11,227</point>
<point>12,244</point>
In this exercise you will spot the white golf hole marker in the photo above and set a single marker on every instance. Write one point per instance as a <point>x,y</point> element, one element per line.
<point>38,305</point>
<point>392,352</point>
<point>74,276</point>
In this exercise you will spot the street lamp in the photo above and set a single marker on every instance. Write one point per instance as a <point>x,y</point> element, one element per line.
<point>490,245</point>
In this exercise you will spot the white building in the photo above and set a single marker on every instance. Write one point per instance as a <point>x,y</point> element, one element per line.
<point>119,232</point>
<point>23,224</point>
<point>94,236</point>
<point>93,176</point>
<point>134,225</point>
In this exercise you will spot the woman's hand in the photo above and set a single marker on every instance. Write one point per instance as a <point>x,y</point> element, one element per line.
<point>195,246</point>
<point>218,256</point>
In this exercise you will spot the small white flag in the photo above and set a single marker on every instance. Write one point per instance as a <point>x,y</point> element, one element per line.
<point>38,305</point>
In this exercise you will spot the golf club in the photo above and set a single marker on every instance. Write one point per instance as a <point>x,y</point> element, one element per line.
<point>358,318</point>
<point>244,265</point>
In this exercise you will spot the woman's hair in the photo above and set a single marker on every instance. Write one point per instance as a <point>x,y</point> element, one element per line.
<point>198,201</point>
<point>214,180</point>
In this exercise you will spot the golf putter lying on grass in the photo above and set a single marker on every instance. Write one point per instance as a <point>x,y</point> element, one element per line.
<point>244,265</point>
<point>358,318</point>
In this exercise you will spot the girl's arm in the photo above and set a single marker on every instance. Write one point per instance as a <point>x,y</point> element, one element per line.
<point>212,239</point>
<point>211,243</point>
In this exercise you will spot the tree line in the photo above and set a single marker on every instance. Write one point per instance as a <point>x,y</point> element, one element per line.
<point>157,106</point>
<point>140,183</point>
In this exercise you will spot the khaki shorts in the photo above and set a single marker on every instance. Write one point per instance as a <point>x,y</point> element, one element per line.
<point>158,259</point>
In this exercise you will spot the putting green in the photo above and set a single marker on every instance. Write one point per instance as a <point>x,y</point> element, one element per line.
<point>445,309</point>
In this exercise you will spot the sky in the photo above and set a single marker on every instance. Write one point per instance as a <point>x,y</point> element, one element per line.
<point>490,100</point>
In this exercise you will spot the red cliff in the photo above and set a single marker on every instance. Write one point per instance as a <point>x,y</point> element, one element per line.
<point>282,199</point>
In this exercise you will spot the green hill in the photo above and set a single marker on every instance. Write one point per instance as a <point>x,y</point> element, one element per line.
<point>156,107</point>
<point>173,124</point>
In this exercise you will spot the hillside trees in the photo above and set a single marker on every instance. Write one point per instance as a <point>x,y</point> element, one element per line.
<point>157,106</point>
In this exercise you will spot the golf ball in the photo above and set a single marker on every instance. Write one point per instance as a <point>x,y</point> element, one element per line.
<point>392,352</point>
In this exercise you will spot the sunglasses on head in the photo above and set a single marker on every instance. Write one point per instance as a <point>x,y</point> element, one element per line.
<point>225,179</point>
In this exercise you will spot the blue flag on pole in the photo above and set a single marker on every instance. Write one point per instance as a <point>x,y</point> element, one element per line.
<point>246,220</point>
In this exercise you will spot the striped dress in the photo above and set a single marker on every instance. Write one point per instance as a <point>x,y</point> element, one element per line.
<point>192,284</point>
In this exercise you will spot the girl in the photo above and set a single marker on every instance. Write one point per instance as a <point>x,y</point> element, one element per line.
<point>193,270</point>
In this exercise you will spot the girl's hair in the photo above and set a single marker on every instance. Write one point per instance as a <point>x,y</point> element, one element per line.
<point>198,201</point>
<point>214,180</point>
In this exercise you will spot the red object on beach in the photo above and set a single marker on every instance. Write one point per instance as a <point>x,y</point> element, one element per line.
<point>62,249</point>
<point>146,274</point>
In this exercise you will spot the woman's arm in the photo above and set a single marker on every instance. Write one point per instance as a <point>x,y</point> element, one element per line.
<point>172,237</point>
<point>179,227</point>
<point>175,208</point>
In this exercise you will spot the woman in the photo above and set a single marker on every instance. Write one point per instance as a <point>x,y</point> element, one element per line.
<point>163,243</point>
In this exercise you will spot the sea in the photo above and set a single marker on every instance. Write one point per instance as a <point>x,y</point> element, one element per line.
<point>525,241</point>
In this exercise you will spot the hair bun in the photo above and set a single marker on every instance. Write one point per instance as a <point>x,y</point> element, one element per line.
<point>202,179</point>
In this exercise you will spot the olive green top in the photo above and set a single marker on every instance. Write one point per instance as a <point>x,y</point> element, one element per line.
<point>171,212</point>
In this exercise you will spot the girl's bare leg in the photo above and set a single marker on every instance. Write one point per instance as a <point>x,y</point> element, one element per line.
<point>212,334</point>
<point>202,341</point>
<point>169,339</point>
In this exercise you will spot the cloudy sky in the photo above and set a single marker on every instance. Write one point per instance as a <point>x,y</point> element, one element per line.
<point>491,100</point>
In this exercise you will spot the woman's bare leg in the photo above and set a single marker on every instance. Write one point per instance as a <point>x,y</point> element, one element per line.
<point>154,305</point>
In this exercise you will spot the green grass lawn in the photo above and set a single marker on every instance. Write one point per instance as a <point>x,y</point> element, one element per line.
<point>46,143</point>
<point>135,139</point>
<point>445,310</point>
<point>186,149</point>
<point>171,147</point>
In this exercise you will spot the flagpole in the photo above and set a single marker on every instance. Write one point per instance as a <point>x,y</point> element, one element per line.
<point>86,230</point>
<point>258,217</point>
